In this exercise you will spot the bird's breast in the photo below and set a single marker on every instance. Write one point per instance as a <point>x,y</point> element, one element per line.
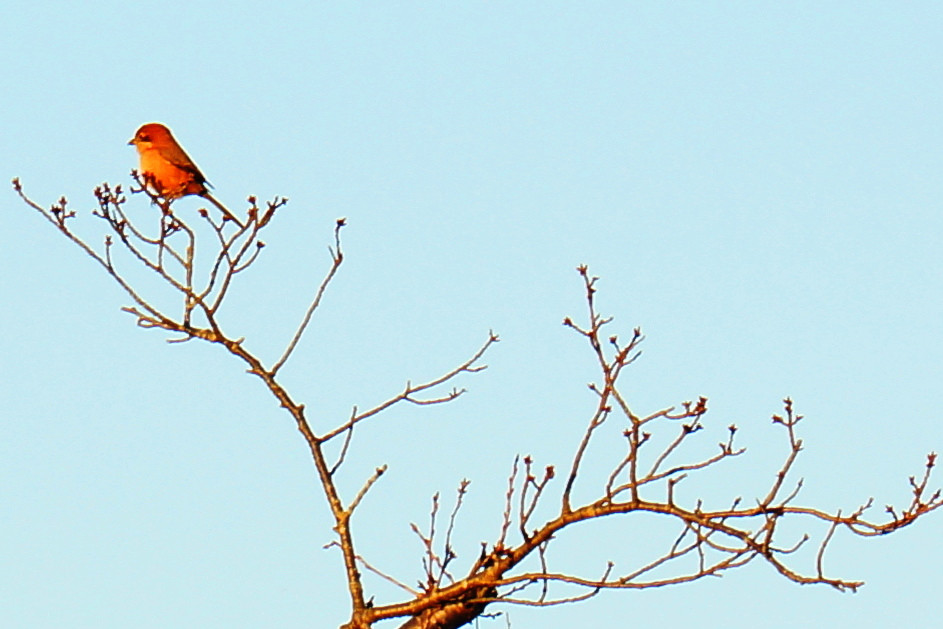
<point>168,180</point>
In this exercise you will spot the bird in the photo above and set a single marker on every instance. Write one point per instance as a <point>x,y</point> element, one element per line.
<point>168,170</point>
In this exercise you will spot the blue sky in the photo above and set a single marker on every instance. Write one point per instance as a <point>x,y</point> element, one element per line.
<point>757,185</point>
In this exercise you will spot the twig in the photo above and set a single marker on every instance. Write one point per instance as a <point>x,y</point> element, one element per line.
<point>338,257</point>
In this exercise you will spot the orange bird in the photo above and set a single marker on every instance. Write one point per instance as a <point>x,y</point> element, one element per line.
<point>168,170</point>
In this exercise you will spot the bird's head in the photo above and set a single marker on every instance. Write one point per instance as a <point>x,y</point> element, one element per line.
<point>151,135</point>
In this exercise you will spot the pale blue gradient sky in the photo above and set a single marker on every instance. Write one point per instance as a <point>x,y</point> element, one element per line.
<point>757,184</point>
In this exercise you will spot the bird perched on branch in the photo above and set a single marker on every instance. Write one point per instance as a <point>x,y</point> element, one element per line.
<point>168,170</point>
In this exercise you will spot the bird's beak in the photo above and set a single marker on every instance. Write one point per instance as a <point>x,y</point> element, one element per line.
<point>131,142</point>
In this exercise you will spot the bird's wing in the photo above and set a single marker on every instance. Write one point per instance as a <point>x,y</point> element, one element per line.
<point>176,156</point>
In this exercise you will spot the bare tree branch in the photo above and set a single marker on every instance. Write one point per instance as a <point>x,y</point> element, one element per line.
<point>516,568</point>
<point>408,394</point>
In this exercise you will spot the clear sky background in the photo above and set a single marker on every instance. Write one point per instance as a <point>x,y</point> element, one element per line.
<point>758,185</point>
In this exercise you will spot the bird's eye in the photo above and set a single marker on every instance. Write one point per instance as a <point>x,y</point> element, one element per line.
<point>144,138</point>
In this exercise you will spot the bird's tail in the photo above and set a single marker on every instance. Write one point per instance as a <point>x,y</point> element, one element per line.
<point>222,208</point>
